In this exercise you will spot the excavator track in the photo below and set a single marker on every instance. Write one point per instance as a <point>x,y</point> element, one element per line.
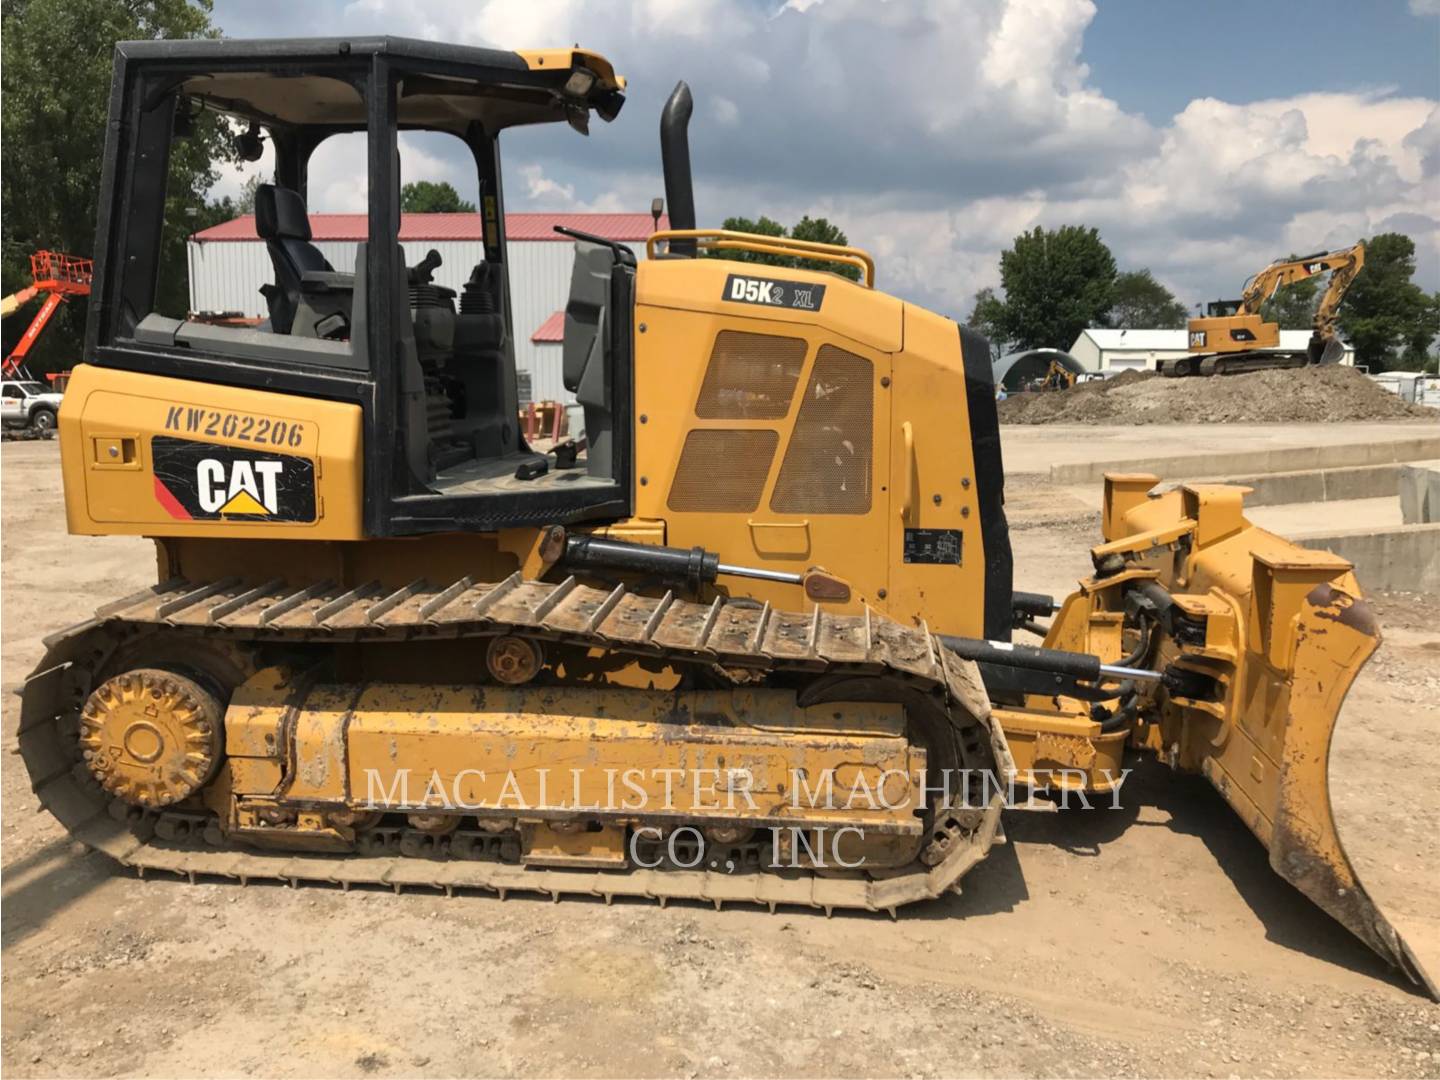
<point>232,614</point>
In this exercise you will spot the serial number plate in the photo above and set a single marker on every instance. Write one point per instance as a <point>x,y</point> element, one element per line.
<point>243,427</point>
<point>933,546</point>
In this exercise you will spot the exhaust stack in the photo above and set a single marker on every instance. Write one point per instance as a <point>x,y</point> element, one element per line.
<point>675,161</point>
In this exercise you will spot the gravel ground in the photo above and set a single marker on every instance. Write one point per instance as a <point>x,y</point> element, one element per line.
<point>1152,941</point>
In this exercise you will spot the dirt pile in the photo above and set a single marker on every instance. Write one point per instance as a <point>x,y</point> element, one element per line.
<point>1304,395</point>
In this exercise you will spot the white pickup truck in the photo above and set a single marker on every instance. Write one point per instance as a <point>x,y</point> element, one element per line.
<point>25,404</point>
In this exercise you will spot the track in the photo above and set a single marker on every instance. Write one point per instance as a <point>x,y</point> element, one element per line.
<point>737,635</point>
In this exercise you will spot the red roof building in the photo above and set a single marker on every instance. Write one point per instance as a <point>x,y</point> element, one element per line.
<point>527,226</point>
<point>228,263</point>
<point>551,331</point>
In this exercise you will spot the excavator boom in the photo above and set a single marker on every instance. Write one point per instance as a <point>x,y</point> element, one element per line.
<point>1283,272</point>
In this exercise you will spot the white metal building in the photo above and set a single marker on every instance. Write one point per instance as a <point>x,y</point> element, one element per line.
<point>229,263</point>
<point>1102,349</point>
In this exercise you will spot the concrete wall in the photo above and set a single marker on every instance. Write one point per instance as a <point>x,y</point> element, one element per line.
<point>1405,558</point>
<point>1319,485</point>
<point>1419,488</point>
<point>1247,462</point>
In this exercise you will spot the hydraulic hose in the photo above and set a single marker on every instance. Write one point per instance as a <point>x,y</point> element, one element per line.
<point>1124,716</point>
<point>1142,650</point>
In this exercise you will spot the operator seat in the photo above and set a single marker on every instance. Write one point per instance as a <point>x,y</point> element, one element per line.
<point>306,285</point>
<point>588,366</point>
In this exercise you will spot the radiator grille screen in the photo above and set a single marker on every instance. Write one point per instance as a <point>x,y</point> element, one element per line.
<point>722,470</point>
<point>828,465</point>
<point>750,377</point>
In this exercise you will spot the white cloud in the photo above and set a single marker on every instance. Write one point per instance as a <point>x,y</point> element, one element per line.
<point>545,193</point>
<point>726,112</point>
<point>934,131</point>
<point>1425,7</point>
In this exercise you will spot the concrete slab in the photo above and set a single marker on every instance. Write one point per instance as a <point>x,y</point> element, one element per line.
<point>1404,558</point>
<point>1294,519</point>
<point>1318,485</point>
<point>1260,460</point>
<point>1419,489</point>
<point>1231,448</point>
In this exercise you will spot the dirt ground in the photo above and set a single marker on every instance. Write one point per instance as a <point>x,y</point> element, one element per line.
<point>1153,940</point>
<point>1327,395</point>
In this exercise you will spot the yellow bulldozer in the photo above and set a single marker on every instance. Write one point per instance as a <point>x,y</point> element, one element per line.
<point>1233,338</point>
<point>749,641</point>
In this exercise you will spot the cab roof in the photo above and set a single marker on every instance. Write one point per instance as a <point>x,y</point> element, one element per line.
<point>312,81</point>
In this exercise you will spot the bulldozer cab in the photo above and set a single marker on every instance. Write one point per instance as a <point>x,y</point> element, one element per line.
<point>432,368</point>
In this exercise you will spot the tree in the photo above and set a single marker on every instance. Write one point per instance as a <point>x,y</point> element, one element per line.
<point>1389,319</point>
<point>427,197</point>
<point>986,317</point>
<point>245,201</point>
<point>1142,303</point>
<point>1293,306</point>
<point>1431,366</point>
<point>1056,283</point>
<point>55,66</point>
<point>814,230</point>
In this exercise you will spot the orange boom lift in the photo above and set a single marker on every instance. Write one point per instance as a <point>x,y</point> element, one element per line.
<point>59,277</point>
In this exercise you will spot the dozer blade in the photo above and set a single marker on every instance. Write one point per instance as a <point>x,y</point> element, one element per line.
<point>1259,641</point>
<point>1286,722</point>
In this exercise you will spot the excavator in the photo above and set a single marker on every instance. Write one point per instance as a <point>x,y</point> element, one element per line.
<point>1232,338</point>
<point>749,641</point>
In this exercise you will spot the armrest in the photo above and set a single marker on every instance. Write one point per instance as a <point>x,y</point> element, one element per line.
<point>326,281</point>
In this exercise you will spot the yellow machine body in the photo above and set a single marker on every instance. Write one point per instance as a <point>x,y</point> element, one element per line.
<point>621,758</point>
<point>347,658</point>
<point>110,421</point>
<point>852,431</point>
<point>1232,333</point>
<point>1278,634</point>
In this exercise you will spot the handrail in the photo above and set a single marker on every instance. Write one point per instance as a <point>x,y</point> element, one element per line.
<point>730,240</point>
<point>907,471</point>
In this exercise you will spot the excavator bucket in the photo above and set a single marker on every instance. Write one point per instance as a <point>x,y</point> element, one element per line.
<point>1333,351</point>
<point>1260,642</point>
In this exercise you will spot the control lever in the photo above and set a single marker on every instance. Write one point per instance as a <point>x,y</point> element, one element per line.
<point>423,272</point>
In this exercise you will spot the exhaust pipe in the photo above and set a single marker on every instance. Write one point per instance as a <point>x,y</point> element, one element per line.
<point>675,161</point>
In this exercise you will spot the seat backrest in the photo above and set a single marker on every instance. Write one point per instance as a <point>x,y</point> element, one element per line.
<point>281,221</point>
<point>587,361</point>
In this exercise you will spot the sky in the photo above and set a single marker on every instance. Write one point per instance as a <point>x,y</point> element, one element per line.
<point>1201,139</point>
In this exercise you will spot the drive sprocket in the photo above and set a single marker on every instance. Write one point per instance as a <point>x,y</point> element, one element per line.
<point>150,736</point>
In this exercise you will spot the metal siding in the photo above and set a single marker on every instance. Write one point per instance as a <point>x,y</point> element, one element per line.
<point>227,275</point>
<point>547,373</point>
<point>539,286</point>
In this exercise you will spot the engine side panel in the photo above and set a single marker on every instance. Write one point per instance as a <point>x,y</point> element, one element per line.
<point>790,419</point>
